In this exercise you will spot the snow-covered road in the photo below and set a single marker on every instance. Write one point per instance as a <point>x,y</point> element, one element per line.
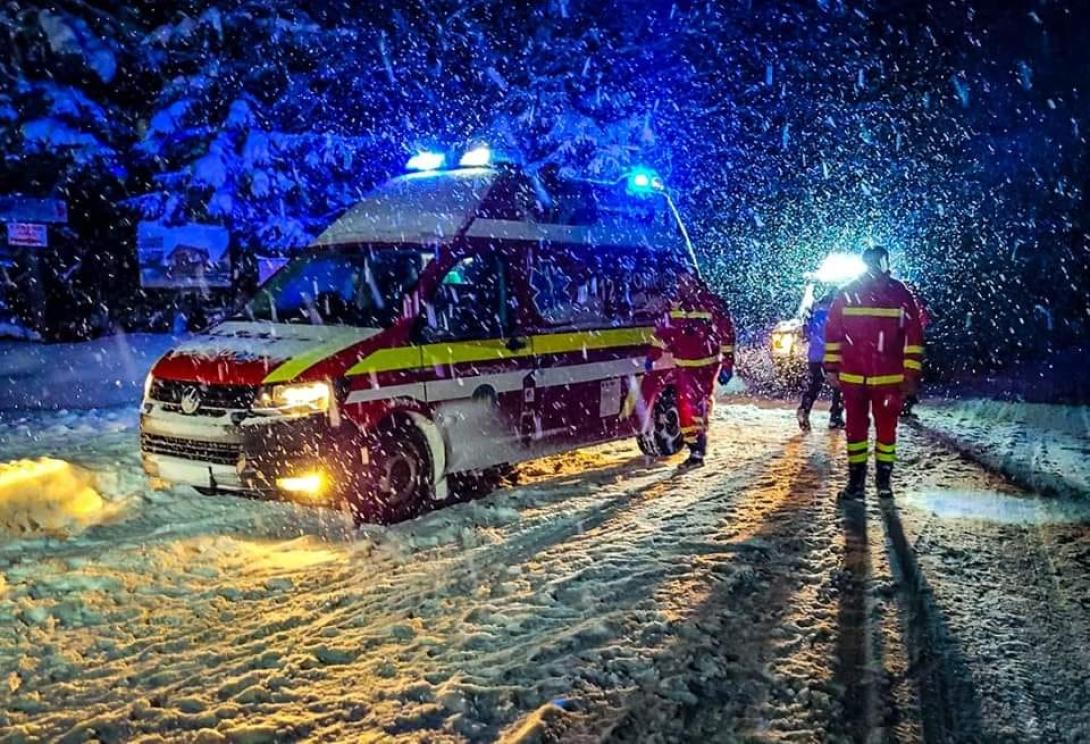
<point>604,598</point>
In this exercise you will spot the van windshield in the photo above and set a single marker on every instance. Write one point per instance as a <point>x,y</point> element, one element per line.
<point>364,289</point>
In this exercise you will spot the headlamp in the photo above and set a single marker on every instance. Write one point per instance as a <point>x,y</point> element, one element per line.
<point>295,398</point>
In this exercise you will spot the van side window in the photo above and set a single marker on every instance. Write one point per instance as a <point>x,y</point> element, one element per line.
<point>471,303</point>
<point>567,290</point>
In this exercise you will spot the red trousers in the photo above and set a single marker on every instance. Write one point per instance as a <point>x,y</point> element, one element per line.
<point>695,388</point>
<point>884,401</point>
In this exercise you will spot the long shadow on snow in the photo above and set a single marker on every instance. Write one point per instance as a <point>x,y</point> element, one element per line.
<point>550,657</point>
<point>720,704</point>
<point>859,654</point>
<point>949,703</point>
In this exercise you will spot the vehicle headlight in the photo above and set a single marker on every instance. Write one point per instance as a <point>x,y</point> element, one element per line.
<point>298,398</point>
<point>782,343</point>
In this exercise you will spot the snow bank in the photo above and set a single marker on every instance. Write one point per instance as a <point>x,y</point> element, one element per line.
<point>91,374</point>
<point>47,495</point>
<point>1041,446</point>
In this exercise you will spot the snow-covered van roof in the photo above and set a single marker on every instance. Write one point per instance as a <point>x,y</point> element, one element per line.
<point>507,203</point>
<point>413,208</point>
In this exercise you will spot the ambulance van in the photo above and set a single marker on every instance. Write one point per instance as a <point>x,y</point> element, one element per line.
<point>454,322</point>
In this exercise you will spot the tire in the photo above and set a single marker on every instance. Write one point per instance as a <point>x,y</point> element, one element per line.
<point>665,437</point>
<point>396,484</point>
<point>476,484</point>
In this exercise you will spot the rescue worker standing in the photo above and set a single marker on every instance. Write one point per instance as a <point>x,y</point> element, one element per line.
<point>815,334</point>
<point>698,334</point>
<point>873,348</point>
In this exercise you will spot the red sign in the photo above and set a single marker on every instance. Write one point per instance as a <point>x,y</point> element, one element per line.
<point>27,234</point>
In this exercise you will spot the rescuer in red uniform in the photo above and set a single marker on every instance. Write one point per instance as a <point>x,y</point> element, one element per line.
<point>873,348</point>
<point>698,334</point>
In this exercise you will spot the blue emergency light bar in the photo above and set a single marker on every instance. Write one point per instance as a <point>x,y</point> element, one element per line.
<point>426,160</point>
<point>478,157</point>
<point>643,180</point>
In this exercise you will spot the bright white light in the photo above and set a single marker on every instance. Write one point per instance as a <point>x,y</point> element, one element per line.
<point>476,158</point>
<point>642,180</point>
<point>840,268</point>
<point>425,161</point>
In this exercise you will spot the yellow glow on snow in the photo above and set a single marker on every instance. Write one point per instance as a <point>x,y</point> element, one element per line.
<point>46,495</point>
<point>307,487</point>
<point>291,556</point>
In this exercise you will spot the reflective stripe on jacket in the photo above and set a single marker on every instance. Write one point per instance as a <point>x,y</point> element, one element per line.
<point>696,336</point>
<point>873,335</point>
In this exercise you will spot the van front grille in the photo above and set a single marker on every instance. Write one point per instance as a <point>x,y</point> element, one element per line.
<point>213,398</point>
<point>220,453</point>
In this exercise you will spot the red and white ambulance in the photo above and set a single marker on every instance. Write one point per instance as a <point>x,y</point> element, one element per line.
<point>453,322</point>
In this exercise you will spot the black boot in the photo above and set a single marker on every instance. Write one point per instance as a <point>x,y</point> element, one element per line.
<point>803,415</point>
<point>836,421</point>
<point>857,482</point>
<point>883,474</point>
<point>696,454</point>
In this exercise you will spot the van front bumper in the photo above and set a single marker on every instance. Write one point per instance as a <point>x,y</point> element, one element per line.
<point>250,457</point>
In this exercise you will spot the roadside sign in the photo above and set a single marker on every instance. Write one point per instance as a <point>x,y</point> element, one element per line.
<point>191,256</point>
<point>27,234</point>
<point>25,209</point>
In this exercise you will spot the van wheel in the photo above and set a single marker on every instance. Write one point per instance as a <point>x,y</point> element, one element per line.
<point>396,485</point>
<point>665,437</point>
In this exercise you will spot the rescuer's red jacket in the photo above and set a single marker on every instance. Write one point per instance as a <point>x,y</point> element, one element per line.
<point>724,329</point>
<point>697,332</point>
<point>874,335</point>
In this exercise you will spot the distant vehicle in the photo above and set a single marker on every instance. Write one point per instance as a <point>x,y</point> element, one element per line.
<point>453,322</point>
<point>787,343</point>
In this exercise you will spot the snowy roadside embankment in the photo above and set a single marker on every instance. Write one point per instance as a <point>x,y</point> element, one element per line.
<point>46,495</point>
<point>101,373</point>
<point>1041,446</point>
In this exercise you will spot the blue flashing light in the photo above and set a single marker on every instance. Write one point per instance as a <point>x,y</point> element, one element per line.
<point>478,157</point>
<point>426,161</point>
<point>643,180</point>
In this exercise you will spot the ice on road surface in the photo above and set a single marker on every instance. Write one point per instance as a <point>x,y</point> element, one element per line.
<point>605,596</point>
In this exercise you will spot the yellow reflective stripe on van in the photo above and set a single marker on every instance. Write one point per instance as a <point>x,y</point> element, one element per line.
<point>690,314</point>
<point>339,340</point>
<point>389,360</point>
<point>696,362</point>
<point>910,349</point>
<point>460,352</point>
<point>873,312</point>
<point>607,338</point>
<point>912,364</point>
